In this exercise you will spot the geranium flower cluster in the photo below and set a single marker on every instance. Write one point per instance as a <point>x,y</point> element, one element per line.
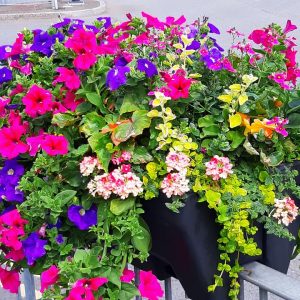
<point>121,182</point>
<point>176,183</point>
<point>286,211</point>
<point>218,167</point>
<point>88,165</point>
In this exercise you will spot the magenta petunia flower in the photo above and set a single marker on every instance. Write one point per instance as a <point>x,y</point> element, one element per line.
<point>55,145</point>
<point>10,141</point>
<point>10,280</point>
<point>179,87</point>
<point>127,276</point>
<point>279,125</point>
<point>49,277</point>
<point>149,286</point>
<point>68,77</point>
<point>37,101</point>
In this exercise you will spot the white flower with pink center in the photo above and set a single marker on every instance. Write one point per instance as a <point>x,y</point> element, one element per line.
<point>286,211</point>
<point>177,161</point>
<point>175,184</point>
<point>218,167</point>
<point>88,165</point>
<point>121,182</point>
<point>117,159</point>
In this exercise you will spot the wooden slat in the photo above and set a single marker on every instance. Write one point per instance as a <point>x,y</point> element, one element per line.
<point>271,280</point>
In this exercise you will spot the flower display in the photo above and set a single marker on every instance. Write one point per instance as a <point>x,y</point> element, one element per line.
<point>286,210</point>
<point>97,118</point>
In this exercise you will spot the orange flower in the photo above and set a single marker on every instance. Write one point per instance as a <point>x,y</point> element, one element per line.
<point>245,122</point>
<point>257,125</point>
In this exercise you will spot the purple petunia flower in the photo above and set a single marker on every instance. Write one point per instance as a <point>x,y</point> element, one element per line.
<point>146,66</point>
<point>34,248</point>
<point>106,21</point>
<point>60,36</point>
<point>11,172</point>
<point>195,45</point>
<point>10,193</point>
<point>65,22</point>
<point>116,77</point>
<point>213,28</point>
<point>42,42</point>
<point>83,219</point>
<point>59,239</point>
<point>193,31</point>
<point>5,75</point>
<point>4,50</point>
<point>76,24</point>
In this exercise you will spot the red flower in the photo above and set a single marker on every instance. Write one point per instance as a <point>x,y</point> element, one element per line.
<point>68,77</point>
<point>55,145</point>
<point>10,280</point>
<point>15,255</point>
<point>38,101</point>
<point>179,87</point>
<point>10,141</point>
<point>49,277</point>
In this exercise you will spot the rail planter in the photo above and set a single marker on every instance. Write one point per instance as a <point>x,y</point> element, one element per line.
<point>99,120</point>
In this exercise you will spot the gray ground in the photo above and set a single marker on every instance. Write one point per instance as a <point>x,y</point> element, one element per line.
<point>245,15</point>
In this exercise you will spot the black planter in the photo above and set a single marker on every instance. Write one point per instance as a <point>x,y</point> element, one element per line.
<point>184,246</point>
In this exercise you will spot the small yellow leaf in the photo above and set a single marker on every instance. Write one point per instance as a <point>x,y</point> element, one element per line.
<point>178,46</point>
<point>248,79</point>
<point>186,40</point>
<point>242,99</point>
<point>235,120</point>
<point>156,102</point>
<point>153,113</point>
<point>225,98</point>
<point>235,87</point>
<point>195,75</point>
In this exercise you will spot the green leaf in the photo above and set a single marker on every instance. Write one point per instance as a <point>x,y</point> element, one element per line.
<point>80,255</point>
<point>236,138</point>
<point>65,196</point>
<point>140,121</point>
<point>95,99</point>
<point>206,121</point>
<point>212,130</point>
<point>142,241</point>
<point>114,277</point>
<point>141,156</point>
<point>123,132</point>
<point>213,198</point>
<point>63,120</point>
<point>128,292</point>
<point>294,105</point>
<point>117,206</point>
<point>294,121</point>
<point>98,142</point>
<point>92,123</point>
<point>72,174</point>
<point>129,104</point>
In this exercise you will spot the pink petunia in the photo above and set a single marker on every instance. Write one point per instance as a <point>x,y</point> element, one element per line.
<point>179,87</point>
<point>37,101</point>
<point>149,286</point>
<point>15,255</point>
<point>127,276</point>
<point>289,27</point>
<point>279,125</point>
<point>68,77</point>
<point>3,103</point>
<point>84,288</point>
<point>84,61</point>
<point>49,277</point>
<point>34,143</point>
<point>10,280</point>
<point>10,141</point>
<point>70,102</point>
<point>55,145</point>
